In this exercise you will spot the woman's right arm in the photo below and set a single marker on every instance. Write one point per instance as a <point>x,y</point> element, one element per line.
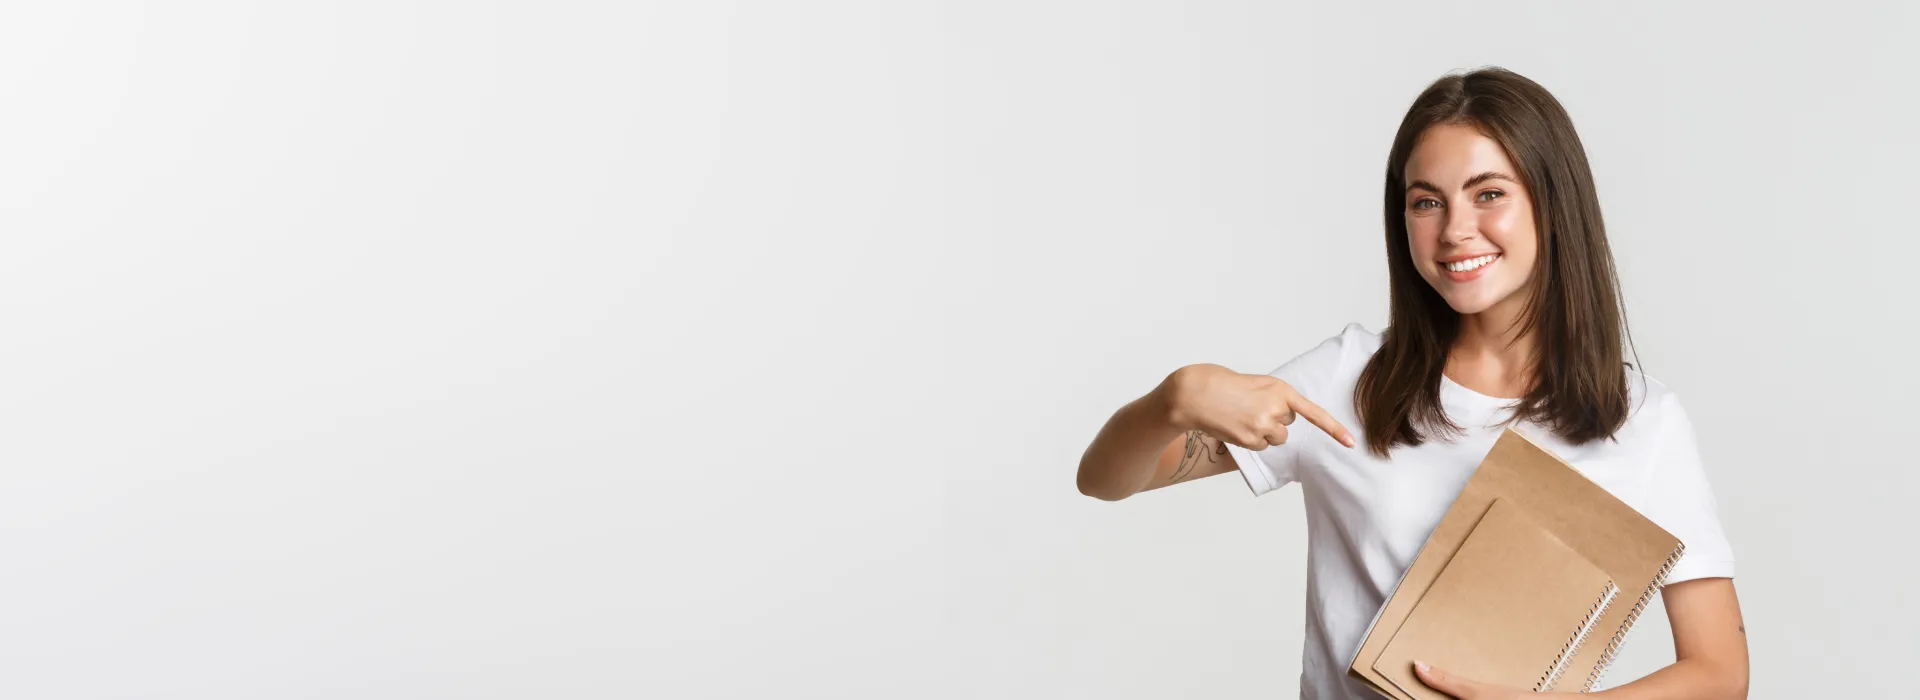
<point>1174,433</point>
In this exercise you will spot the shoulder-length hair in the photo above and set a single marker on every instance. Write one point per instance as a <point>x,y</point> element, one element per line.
<point>1580,389</point>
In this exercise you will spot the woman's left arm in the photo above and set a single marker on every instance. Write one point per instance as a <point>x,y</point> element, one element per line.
<point>1709,648</point>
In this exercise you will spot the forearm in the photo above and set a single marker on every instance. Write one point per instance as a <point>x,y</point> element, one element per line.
<point>1122,459</point>
<point>1686,679</point>
<point>1709,641</point>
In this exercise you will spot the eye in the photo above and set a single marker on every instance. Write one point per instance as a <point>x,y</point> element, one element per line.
<point>1497,193</point>
<point>1425,200</point>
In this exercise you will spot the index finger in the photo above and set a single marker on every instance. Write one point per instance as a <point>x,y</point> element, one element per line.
<point>1319,416</point>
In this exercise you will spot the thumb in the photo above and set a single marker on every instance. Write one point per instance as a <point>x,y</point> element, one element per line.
<point>1459,687</point>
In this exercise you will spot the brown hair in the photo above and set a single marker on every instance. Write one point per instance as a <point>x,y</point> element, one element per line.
<point>1579,388</point>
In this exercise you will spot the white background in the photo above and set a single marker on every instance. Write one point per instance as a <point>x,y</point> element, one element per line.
<point>748,350</point>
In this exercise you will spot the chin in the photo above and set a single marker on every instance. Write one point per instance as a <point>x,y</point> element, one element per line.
<point>1477,296</point>
<point>1469,308</point>
<point>1469,305</point>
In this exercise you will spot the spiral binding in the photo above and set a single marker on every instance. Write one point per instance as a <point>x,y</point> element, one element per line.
<point>1620,635</point>
<point>1578,637</point>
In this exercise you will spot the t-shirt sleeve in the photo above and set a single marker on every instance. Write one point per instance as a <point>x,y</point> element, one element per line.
<point>1679,499</point>
<point>1311,373</point>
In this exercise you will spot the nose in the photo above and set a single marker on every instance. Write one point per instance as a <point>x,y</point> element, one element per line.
<point>1462,232</point>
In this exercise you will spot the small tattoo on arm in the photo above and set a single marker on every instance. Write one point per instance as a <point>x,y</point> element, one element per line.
<point>1195,450</point>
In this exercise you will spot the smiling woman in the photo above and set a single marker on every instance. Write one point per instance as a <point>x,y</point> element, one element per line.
<point>1504,312</point>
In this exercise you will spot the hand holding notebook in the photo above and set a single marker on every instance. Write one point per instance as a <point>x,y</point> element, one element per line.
<point>1521,499</point>
<point>1511,593</point>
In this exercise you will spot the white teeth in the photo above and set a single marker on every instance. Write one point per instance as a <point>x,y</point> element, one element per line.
<point>1471,263</point>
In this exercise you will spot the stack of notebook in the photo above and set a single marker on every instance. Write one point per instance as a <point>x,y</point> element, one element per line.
<point>1532,579</point>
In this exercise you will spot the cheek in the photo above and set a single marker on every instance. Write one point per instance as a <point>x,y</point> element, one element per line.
<point>1511,228</point>
<point>1423,235</point>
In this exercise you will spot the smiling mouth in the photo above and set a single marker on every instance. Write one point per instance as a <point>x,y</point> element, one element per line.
<point>1470,264</point>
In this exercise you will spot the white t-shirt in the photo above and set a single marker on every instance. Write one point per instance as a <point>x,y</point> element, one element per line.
<point>1368,517</point>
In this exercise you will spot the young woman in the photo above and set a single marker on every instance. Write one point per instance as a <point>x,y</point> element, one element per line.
<point>1504,312</point>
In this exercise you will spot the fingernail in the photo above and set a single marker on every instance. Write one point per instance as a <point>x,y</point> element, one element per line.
<point>1422,666</point>
<point>1348,439</point>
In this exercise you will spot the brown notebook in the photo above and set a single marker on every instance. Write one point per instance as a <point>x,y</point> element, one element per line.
<point>1510,608</point>
<point>1634,552</point>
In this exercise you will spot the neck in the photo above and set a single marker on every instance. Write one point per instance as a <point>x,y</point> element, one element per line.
<point>1491,350</point>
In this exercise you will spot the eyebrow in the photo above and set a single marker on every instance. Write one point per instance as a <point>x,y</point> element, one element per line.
<point>1475,180</point>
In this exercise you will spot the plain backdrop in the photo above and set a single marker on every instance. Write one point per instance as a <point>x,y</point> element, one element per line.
<point>748,350</point>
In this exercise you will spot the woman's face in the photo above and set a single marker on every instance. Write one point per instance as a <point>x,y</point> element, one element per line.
<point>1469,219</point>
